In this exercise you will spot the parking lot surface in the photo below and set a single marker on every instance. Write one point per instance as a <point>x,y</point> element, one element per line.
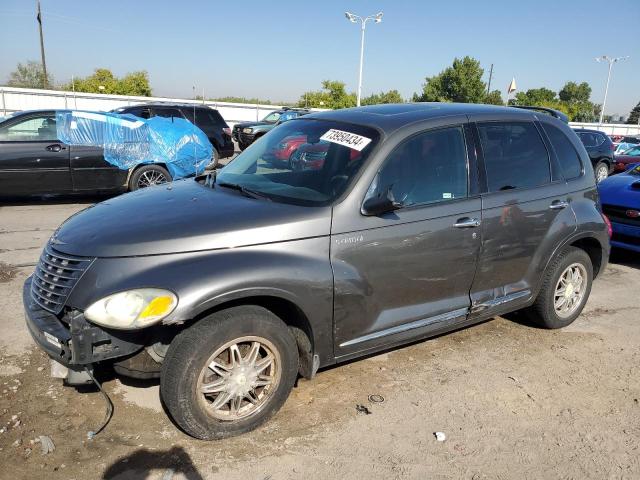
<point>513,401</point>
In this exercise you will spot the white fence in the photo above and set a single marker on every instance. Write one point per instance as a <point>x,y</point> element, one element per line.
<point>609,128</point>
<point>17,99</point>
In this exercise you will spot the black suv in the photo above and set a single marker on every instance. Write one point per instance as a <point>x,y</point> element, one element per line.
<point>205,118</point>
<point>412,220</point>
<point>246,133</point>
<point>600,149</point>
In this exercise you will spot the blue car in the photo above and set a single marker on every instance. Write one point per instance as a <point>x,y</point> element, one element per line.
<point>620,197</point>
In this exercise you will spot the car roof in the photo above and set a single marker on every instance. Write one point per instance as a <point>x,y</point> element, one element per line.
<point>170,105</point>
<point>587,130</point>
<point>389,117</point>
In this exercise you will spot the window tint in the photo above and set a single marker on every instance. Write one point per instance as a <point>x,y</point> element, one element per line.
<point>567,155</point>
<point>168,112</point>
<point>589,139</point>
<point>514,155</point>
<point>42,128</point>
<point>429,167</point>
<point>204,118</point>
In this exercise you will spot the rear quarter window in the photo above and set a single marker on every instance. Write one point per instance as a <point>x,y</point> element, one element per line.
<point>568,157</point>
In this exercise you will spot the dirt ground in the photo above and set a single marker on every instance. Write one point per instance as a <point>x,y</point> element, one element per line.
<point>513,401</point>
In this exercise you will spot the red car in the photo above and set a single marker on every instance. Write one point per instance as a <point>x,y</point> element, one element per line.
<point>622,162</point>
<point>282,152</point>
<point>311,156</point>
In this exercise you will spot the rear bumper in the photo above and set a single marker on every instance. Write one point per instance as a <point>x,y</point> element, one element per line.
<point>625,236</point>
<point>76,342</point>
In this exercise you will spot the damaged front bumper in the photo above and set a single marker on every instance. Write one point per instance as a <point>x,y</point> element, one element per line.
<point>74,342</point>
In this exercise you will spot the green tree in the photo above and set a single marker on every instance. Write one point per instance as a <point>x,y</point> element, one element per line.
<point>494,98</point>
<point>392,96</point>
<point>575,93</point>
<point>29,75</point>
<point>461,82</point>
<point>634,116</point>
<point>135,83</point>
<point>333,95</point>
<point>538,97</point>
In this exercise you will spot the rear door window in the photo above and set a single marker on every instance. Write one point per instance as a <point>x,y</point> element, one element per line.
<point>514,155</point>
<point>206,119</point>
<point>567,156</point>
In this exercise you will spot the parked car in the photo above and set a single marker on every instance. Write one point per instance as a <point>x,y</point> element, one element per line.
<point>246,133</point>
<point>205,118</point>
<point>230,286</point>
<point>625,144</point>
<point>622,162</point>
<point>33,161</point>
<point>600,149</point>
<point>311,156</point>
<point>620,196</point>
<point>281,153</point>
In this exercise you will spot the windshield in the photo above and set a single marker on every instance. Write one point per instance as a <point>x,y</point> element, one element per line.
<point>272,117</point>
<point>304,162</point>
<point>635,170</point>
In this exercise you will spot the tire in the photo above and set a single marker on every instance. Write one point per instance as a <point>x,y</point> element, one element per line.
<point>601,171</point>
<point>186,370</point>
<point>145,175</point>
<point>543,312</point>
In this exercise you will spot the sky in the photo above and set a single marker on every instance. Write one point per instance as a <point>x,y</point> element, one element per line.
<point>279,49</point>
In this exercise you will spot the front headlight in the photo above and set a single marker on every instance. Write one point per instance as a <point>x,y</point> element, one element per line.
<point>132,309</point>
<point>247,130</point>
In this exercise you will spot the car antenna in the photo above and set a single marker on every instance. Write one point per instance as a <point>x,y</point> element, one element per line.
<point>195,158</point>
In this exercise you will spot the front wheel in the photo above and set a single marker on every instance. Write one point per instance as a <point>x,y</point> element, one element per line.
<point>565,290</point>
<point>601,171</point>
<point>229,373</point>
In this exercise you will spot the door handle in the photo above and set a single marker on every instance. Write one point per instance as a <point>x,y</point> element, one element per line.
<point>55,147</point>
<point>558,205</point>
<point>467,222</point>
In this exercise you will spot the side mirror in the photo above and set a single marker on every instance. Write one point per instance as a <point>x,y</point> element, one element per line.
<point>380,204</point>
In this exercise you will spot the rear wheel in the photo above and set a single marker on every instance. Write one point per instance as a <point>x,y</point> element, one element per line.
<point>601,171</point>
<point>229,373</point>
<point>565,290</point>
<point>148,176</point>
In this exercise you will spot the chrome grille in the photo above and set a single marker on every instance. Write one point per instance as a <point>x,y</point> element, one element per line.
<point>55,276</point>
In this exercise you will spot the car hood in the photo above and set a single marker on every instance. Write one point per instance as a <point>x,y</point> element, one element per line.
<point>622,190</point>
<point>253,124</point>
<point>184,216</point>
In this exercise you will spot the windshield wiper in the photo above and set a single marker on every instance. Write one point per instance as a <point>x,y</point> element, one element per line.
<point>247,192</point>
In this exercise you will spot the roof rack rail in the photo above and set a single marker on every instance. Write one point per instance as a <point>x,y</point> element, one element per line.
<point>549,111</point>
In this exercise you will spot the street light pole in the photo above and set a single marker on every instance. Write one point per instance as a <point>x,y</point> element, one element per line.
<point>611,60</point>
<point>363,23</point>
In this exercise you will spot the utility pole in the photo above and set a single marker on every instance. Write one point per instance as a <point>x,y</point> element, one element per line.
<point>490,75</point>
<point>45,80</point>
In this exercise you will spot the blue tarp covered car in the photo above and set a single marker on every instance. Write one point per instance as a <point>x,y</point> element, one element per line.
<point>129,141</point>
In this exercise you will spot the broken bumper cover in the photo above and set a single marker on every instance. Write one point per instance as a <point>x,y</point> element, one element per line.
<point>74,341</point>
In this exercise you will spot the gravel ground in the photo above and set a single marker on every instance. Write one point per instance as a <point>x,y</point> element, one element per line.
<point>513,401</point>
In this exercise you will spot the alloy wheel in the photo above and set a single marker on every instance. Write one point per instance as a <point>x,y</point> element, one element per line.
<point>238,379</point>
<point>602,173</point>
<point>150,178</point>
<point>570,290</point>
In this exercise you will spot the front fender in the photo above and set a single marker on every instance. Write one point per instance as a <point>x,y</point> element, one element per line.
<point>297,271</point>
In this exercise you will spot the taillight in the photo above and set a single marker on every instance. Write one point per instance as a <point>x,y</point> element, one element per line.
<point>608,222</point>
<point>227,130</point>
